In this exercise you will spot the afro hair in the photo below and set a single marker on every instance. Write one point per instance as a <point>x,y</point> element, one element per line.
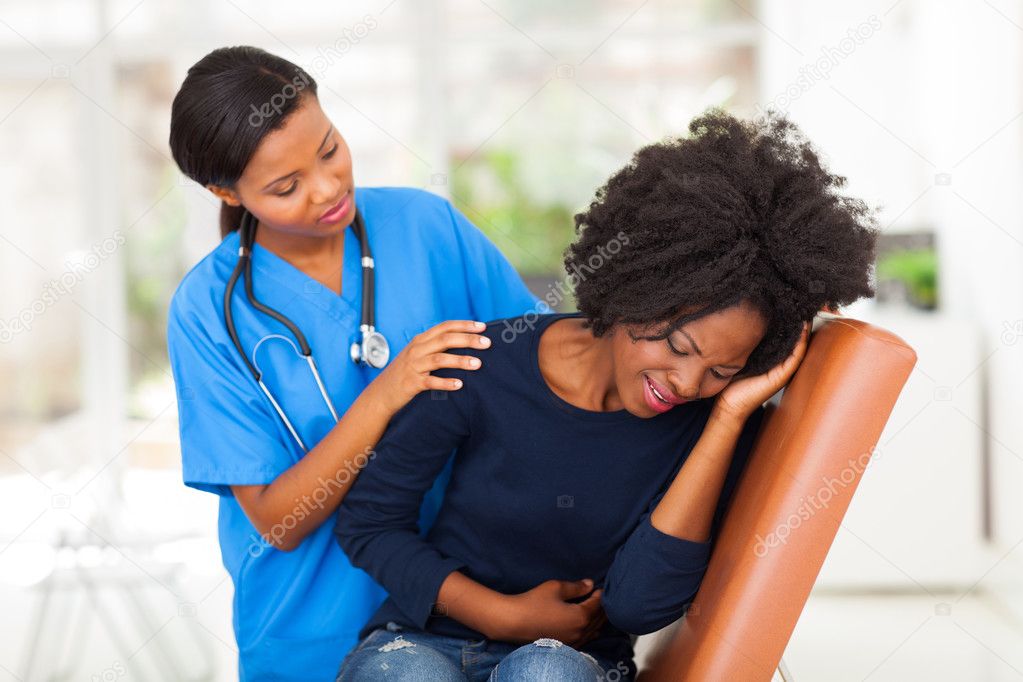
<point>736,211</point>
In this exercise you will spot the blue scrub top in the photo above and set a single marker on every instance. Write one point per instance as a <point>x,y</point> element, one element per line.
<point>297,614</point>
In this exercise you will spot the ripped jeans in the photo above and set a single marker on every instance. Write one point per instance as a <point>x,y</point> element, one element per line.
<point>397,653</point>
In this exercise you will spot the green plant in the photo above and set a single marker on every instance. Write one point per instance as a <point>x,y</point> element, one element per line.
<point>917,270</point>
<point>490,190</point>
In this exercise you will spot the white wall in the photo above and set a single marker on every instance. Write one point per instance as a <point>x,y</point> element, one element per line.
<point>924,116</point>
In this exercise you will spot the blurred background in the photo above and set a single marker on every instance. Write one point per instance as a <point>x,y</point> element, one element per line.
<point>517,111</point>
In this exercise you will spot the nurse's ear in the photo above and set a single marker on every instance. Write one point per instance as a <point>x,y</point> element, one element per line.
<point>225,194</point>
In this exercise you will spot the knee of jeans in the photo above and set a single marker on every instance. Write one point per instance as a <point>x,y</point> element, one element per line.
<point>547,659</point>
<point>394,657</point>
<point>548,643</point>
<point>399,642</point>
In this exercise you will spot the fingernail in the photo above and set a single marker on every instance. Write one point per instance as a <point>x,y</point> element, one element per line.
<point>484,341</point>
<point>457,383</point>
<point>589,583</point>
<point>474,362</point>
<point>480,325</point>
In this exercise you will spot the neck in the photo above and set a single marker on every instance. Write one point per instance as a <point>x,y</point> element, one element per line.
<point>578,366</point>
<point>302,250</point>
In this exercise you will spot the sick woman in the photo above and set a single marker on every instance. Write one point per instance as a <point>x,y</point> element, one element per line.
<point>597,452</point>
<point>278,442</point>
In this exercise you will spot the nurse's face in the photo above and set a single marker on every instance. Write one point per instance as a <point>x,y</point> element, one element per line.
<point>696,361</point>
<point>299,181</point>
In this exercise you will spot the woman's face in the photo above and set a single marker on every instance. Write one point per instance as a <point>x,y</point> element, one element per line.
<point>299,181</point>
<point>696,361</point>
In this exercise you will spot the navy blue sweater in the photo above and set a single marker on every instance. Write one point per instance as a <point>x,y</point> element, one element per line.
<point>540,489</point>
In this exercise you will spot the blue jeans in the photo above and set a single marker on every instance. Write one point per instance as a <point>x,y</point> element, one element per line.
<point>396,653</point>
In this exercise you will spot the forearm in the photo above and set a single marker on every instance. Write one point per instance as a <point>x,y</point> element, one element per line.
<point>687,509</point>
<point>305,495</point>
<point>661,566</point>
<point>472,604</point>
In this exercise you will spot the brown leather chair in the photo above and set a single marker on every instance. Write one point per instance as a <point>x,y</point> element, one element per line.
<point>806,463</point>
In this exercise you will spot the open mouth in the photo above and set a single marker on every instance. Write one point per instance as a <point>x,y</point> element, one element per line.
<point>653,389</point>
<point>657,398</point>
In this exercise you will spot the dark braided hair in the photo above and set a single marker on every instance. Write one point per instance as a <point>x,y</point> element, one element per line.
<point>737,211</point>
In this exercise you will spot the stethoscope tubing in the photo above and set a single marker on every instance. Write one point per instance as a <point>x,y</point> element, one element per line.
<point>377,355</point>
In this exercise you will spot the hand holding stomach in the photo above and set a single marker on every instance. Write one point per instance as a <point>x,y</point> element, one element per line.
<point>545,611</point>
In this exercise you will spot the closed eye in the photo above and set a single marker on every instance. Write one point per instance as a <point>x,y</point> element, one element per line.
<point>288,191</point>
<point>331,152</point>
<point>682,353</point>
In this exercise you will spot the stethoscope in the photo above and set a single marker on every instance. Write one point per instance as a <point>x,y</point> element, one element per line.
<point>371,349</point>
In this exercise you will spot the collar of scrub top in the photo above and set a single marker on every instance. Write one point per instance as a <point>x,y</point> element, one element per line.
<point>372,350</point>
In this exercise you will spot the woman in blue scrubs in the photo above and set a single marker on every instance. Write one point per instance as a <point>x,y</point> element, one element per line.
<point>247,125</point>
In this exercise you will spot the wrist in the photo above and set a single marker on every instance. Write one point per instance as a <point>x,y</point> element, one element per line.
<point>378,399</point>
<point>727,418</point>
<point>502,621</point>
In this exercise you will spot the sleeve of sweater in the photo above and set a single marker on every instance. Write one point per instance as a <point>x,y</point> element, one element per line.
<point>655,576</point>
<point>377,523</point>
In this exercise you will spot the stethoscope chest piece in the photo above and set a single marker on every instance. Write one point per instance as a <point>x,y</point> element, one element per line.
<point>373,350</point>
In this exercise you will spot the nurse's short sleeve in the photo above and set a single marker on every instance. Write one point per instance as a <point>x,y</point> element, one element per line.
<point>228,433</point>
